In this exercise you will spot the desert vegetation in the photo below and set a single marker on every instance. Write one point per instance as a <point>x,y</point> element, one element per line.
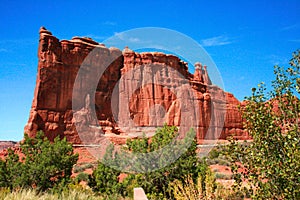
<point>268,167</point>
<point>42,165</point>
<point>271,163</point>
<point>155,183</point>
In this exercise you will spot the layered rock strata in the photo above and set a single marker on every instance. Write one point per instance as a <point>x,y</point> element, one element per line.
<point>84,87</point>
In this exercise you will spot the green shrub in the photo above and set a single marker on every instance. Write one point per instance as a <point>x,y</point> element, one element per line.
<point>81,168</point>
<point>271,162</point>
<point>155,183</point>
<point>104,179</point>
<point>81,177</point>
<point>214,153</point>
<point>45,166</point>
<point>191,189</point>
<point>223,176</point>
<point>215,156</point>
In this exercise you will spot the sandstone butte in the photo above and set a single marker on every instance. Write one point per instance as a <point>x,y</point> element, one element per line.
<point>120,98</point>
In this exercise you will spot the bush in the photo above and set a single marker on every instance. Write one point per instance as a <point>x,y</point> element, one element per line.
<point>45,165</point>
<point>223,176</point>
<point>187,189</point>
<point>214,153</point>
<point>226,193</point>
<point>271,163</point>
<point>215,156</point>
<point>81,177</point>
<point>104,179</point>
<point>81,168</point>
<point>194,190</point>
<point>155,183</point>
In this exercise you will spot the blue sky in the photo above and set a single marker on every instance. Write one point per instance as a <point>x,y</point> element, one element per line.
<point>244,38</point>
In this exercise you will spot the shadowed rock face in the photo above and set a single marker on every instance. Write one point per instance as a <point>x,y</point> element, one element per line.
<point>123,98</point>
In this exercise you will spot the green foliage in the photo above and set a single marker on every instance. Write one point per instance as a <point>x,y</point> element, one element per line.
<point>223,176</point>
<point>81,168</point>
<point>210,184</point>
<point>271,163</point>
<point>45,165</point>
<point>81,177</point>
<point>189,189</point>
<point>214,153</point>
<point>215,156</point>
<point>155,183</point>
<point>104,178</point>
<point>11,171</point>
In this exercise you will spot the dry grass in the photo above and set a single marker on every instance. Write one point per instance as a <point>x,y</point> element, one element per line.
<point>72,194</point>
<point>188,189</point>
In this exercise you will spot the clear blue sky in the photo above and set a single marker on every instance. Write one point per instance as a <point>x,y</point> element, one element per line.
<point>244,38</point>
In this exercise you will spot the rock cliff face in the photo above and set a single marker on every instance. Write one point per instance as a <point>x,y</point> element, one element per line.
<point>123,99</point>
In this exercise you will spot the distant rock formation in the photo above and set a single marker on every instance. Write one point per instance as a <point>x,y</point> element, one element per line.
<point>7,144</point>
<point>122,95</point>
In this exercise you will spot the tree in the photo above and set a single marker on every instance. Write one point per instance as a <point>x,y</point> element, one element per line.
<point>155,183</point>
<point>105,179</point>
<point>11,170</point>
<point>271,163</point>
<point>45,165</point>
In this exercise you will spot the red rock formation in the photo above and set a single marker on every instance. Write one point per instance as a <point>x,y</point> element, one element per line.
<point>6,144</point>
<point>14,146</point>
<point>124,97</point>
